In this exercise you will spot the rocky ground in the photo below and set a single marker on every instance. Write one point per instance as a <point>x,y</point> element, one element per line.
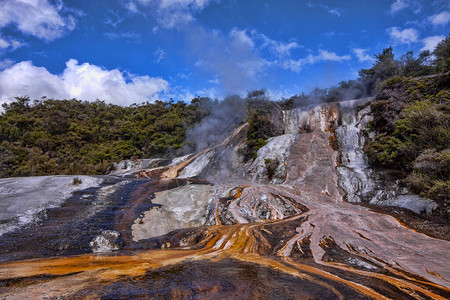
<point>210,224</point>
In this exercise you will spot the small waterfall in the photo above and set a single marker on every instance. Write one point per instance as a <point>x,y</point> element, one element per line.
<point>361,183</point>
<point>354,174</point>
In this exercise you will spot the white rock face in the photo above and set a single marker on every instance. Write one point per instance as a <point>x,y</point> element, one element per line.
<point>105,242</point>
<point>179,160</point>
<point>276,150</point>
<point>312,118</point>
<point>182,207</point>
<point>128,166</point>
<point>412,202</point>
<point>355,176</point>
<point>198,165</point>
<point>22,198</point>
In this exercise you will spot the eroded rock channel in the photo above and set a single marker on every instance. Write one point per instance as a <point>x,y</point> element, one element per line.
<point>209,225</point>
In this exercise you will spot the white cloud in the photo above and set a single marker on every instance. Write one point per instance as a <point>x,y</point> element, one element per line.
<point>323,55</point>
<point>429,43</point>
<point>39,18</point>
<point>233,57</point>
<point>119,35</point>
<point>6,63</point>
<point>236,58</point>
<point>398,5</point>
<point>280,49</point>
<point>214,81</point>
<point>170,13</point>
<point>335,11</point>
<point>362,56</point>
<point>292,65</point>
<point>440,19</point>
<point>241,37</point>
<point>158,55</point>
<point>184,76</point>
<point>3,44</point>
<point>10,43</point>
<point>331,10</point>
<point>113,18</point>
<point>405,36</point>
<point>81,81</point>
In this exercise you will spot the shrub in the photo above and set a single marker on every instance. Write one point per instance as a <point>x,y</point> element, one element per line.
<point>271,167</point>
<point>76,181</point>
<point>389,83</point>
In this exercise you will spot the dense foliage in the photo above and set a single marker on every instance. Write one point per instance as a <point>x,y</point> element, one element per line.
<point>262,117</point>
<point>76,137</point>
<point>412,121</point>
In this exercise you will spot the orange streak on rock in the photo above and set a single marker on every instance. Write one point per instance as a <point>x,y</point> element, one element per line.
<point>364,290</point>
<point>400,283</point>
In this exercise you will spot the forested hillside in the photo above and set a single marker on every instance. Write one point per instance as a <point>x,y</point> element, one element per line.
<point>76,137</point>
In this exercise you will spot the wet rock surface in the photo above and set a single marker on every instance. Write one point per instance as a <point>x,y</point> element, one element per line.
<point>181,207</point>
<point>203,226</point>
<point>270,164</point>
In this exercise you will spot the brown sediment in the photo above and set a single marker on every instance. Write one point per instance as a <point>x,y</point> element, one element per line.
<point>172,172</point>
<point>333,141</point>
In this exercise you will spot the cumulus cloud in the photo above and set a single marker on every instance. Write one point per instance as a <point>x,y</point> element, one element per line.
<point>429,43</point>
<point>405,36</point>
<point>82,81</point>
<point>362,55</point>
<point>39,18</point>
<point>440,19</point>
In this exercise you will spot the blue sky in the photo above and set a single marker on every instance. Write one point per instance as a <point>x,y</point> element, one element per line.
<point>126,51</point>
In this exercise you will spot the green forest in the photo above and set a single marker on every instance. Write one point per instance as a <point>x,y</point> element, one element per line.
<point>78,137</point>
<point>411,120</point>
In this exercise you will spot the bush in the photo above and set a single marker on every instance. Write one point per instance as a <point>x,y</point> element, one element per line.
<point>439,190</point>
<point>389,83</point>
<point>271,167</point>
<point>76,181</point>
<point>261,119</point>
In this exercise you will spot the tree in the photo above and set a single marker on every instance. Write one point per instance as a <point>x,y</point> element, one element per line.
<point>385,66</point>
<point>442,53</point>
